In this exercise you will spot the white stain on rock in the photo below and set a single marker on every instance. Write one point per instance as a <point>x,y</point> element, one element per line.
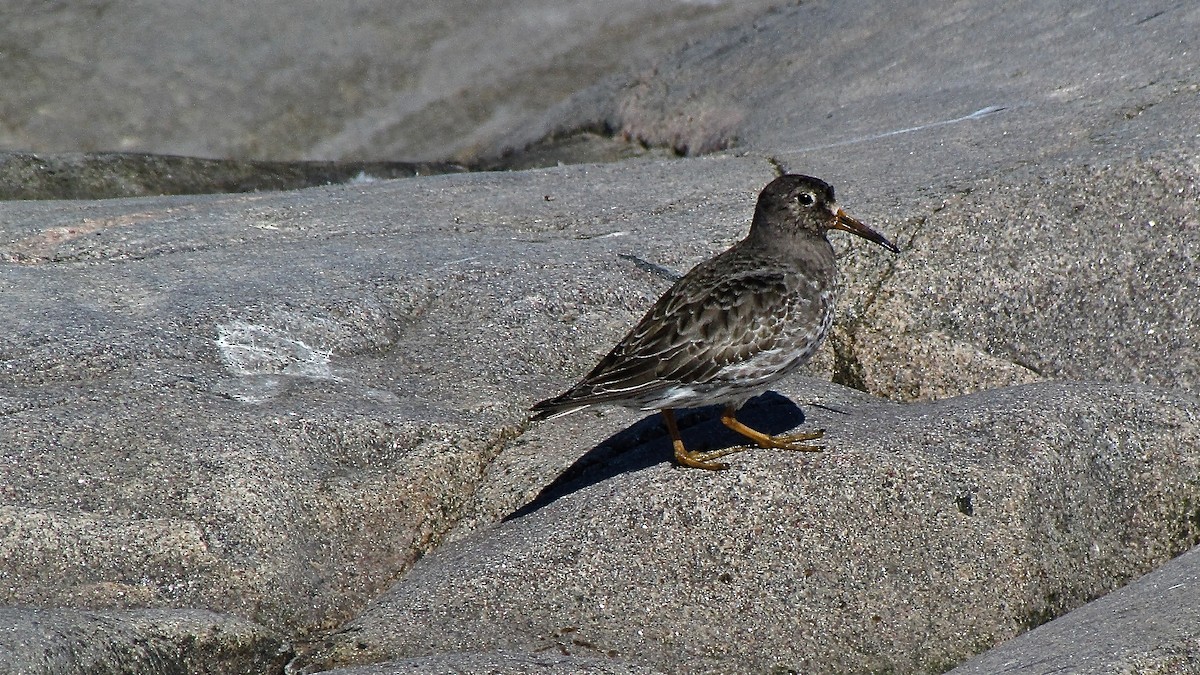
<point>250,349</point>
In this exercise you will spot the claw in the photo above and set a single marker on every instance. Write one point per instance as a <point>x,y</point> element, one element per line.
<point>800,437</point>
<point>696,460</point>
<point>794,441</point>
<point>704,460</point>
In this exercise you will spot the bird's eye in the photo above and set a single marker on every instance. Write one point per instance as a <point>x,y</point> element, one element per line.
<point>805,199</point>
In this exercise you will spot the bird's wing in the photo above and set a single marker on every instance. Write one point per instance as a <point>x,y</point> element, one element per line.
<point>704,324</point>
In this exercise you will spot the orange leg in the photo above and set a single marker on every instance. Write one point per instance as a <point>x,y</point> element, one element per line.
<point>796,442</point>
<point>784,442</point>
<point>704,460</point>
<point>696,460</point>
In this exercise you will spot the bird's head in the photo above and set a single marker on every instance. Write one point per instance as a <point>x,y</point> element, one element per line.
<point>805,205</point>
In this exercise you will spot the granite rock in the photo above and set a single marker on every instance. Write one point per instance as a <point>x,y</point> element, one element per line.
<point>926,533</point>
<point>923,94</point>
<point>1149,626</point>
<point>271,406</point>
<point>306,79</point>
<point>66,642</point>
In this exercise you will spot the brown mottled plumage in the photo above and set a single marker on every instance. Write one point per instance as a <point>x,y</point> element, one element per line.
<point>734,324</point>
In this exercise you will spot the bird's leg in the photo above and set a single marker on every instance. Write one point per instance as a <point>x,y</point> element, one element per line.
<point>800,437</point>
<point>696,460</point>
<point>783,442</point>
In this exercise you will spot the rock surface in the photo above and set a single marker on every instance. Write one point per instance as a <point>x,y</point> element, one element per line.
<point>271,406</point>
<point>917,95</point>
<point>305,79</point>
<point>926,533</point>
<point>225,402</point>
<point>1150,626</point>
<point>111,175</point>
<point>135,641</point>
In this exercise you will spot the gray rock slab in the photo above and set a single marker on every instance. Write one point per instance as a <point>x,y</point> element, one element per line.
<point>1086,272</point>
<point>310,80</point>
<point>270,405</point>
<point>926,533</point>
<point>115,174</point>
<point>1039,166</point>
<point>1150,626</point>
<point>498,663</point>
<point>66,642</point>
<point>915,93</point>
<point>221,402</point>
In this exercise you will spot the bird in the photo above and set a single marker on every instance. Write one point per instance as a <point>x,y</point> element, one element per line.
<point>733,325</point>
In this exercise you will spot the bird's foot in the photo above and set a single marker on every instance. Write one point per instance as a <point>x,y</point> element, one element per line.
<point>703,460</point>
<point>685,457</point>
<point>797,441</point>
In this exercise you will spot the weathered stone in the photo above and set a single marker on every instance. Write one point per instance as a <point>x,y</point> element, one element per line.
<point>270,405</point>
<point>1086,273</point>
<point>115,174</point>
<point>305,79</point>
<point>926,533</point>
<point>498,663</point>
<point>917,96</point>
<point>1150,626</point>
<point>66,642</point>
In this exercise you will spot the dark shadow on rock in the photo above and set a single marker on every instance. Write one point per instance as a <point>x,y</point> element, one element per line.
<point>107,175</point>
<point>585,145</point>
<point>647,443</point>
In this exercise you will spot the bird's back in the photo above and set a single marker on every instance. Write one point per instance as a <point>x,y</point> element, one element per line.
<point>723,332</point>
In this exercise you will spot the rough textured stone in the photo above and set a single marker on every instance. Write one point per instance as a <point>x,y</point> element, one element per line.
<point>179,355</point>
<point>270,405</point>
<point>114,174</point>
<point>309,80</point>
<point>66,642</point>
<point>926,533</point>
<point>1150,626</point>
<point>921,94</point>
<point>498,663</point>
<point>1064,276</point>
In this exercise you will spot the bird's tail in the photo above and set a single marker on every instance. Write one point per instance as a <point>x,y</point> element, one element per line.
<point>555,407</point>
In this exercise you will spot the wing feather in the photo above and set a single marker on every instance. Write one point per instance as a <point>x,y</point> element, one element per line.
<point>717,317</point>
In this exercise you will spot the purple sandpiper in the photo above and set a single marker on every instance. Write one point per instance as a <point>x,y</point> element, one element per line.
<point>733,325</point>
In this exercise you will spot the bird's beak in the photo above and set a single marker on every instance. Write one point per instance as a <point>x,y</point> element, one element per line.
<point>843,221</point>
